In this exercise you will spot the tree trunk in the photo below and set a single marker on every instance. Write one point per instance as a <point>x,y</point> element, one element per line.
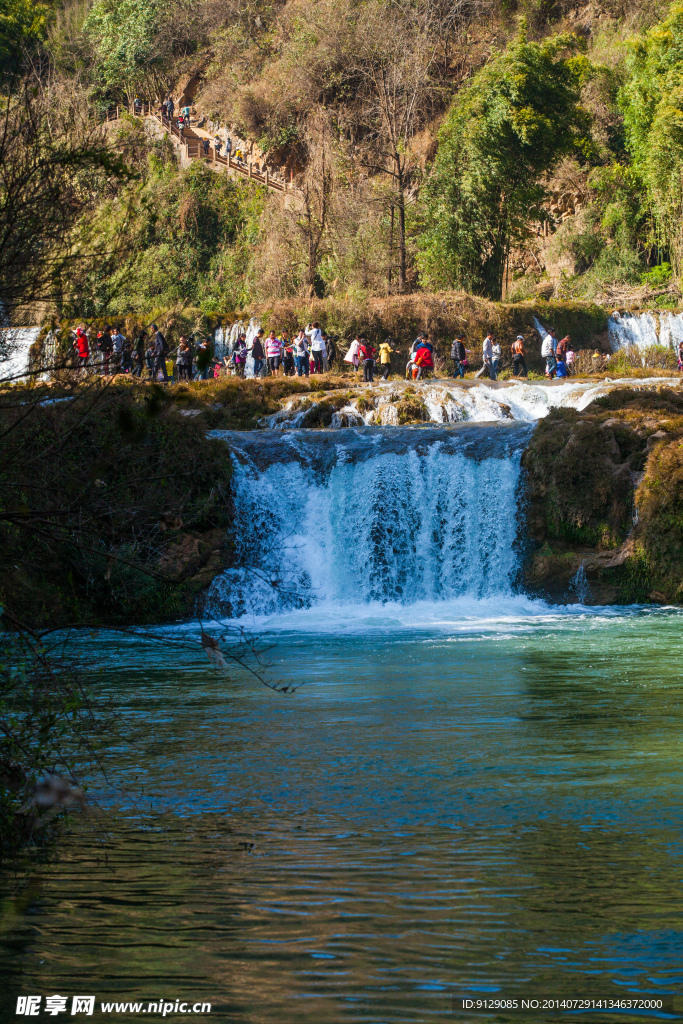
<point>402,261</point>
<point>401,204</point>
<point>311,269</point>
<point>391,246</point>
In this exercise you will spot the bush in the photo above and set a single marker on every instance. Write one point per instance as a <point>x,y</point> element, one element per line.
<point>658,276</point>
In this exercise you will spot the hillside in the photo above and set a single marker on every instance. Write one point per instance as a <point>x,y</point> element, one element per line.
<point>511,151</point>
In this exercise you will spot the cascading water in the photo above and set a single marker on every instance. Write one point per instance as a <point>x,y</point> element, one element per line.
<point>643,331</point>
<point>225,339</point>
<point>348,517</point>
<point>15,346</point>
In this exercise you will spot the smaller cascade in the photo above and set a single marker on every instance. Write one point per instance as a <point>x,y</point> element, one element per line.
<point>442,402</point>
<point>579,586</point>
<point>221,342</point>
<point>627,329</point>
<point>539,327</point>
<point>225,341</point>
<point>15,351</point>
<point>670,329</point>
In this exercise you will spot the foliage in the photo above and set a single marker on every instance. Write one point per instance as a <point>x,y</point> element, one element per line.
<point>124,34</point>
<point>610,240</point>
<point>47,722</point>
<point>518,116</point>
<point>177,239</point>
<point>54,164</point>
<point>652,102</point>
<point>658,276</point>
<point>22,25</point>
<point>110,504</point>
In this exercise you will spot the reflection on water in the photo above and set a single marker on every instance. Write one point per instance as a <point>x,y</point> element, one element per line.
<point>465,810</point>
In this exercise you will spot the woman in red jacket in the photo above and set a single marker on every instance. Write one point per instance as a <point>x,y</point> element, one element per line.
<point>424,362</point>
<point>82,347</point>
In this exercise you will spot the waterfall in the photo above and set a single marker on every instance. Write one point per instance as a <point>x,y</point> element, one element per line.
<point>539,327</point>
<point>356,517</point>
<point>15,346</point>
<point>225,339</point>
<point>642,331</point>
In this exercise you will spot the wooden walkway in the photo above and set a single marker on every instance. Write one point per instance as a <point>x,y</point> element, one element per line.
<point>193,148</point>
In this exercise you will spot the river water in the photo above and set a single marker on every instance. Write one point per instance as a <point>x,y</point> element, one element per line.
<point>470,793</point>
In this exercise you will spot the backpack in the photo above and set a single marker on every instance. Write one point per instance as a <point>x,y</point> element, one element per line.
<point>547,346</point>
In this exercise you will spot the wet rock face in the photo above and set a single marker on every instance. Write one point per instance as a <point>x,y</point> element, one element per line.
<point>605,497</point>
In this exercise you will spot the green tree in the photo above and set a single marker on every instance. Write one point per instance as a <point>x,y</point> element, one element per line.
<point>652,101</point>
<point>504,133</point>
<point>124,33</point>
<point>22,22</point>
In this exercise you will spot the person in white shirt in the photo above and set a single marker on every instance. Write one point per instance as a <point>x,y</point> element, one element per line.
<point>318,350</point>
<point>352,355</point>
<point>487,352</point>
<point>496,356</point>
<point>548,349</point>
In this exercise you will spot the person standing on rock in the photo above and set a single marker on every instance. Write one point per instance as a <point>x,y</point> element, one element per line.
<point>423,362</point>
<point>367,354</point>
<point>385,354</point>
<point>318,350</point>
<point>519,367</point>
<point>160,350</point>
<point>548,349</point>
<point>331,349</point>
<point>104,343</point>
<point>240,355</point>
<point>273,353</point>
<point>459,356</point>
<point>139,354</point>
<point>496,356</point>
<point>117,344</point>
<point>287,355</point>
<point>82,347</point>
<point>548,352</point>
<point>257,353</point>
<point>301,353</point>
<point>487,353</point>
<point>184,360</point>
<point>352,355</point>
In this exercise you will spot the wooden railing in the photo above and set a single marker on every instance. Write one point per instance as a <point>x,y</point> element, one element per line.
<point>196,149</point>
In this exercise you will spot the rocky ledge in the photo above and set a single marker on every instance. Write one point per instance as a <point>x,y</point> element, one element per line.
<point>605,500</point>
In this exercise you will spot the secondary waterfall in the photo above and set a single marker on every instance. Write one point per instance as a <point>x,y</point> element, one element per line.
<point>357,516</point>
<point>644,330</point>
<point>15,345</point>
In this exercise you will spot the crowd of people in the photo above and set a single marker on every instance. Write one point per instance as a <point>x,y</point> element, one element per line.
<point>309,350</point>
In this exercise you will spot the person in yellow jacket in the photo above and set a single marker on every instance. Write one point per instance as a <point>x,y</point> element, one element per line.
<point>385,353</point>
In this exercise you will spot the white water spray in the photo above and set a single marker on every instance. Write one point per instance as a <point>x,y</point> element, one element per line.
<point>644,330</point>
<point>404,515</point>
<point>15,346</point>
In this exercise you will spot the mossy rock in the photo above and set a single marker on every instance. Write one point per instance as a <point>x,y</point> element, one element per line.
<point>411,410</point>
<point>588,472</point>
